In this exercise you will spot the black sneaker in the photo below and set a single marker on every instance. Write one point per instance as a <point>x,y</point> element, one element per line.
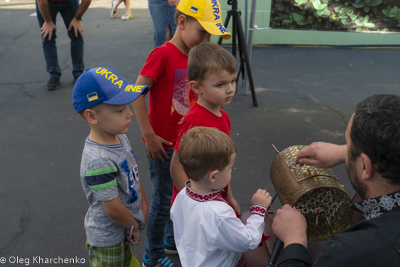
<point>53,83</point>
<point>169,248</point>
<point>162,262</point>
<point>76,77</point>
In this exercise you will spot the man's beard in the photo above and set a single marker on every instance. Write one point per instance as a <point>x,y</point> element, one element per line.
<point>355,181</point>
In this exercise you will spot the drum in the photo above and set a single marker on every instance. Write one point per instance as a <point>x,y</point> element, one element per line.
<point>317,193</point>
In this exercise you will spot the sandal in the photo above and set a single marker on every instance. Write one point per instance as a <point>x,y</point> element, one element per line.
<point>126,17</point>
<point>114,8</point>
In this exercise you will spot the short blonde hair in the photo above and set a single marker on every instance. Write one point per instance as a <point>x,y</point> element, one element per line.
<point>208,58</point>
<point>205,149</point>
<point>178,13</point>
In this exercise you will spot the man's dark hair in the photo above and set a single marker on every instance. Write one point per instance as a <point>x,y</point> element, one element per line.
<point>376,132</point>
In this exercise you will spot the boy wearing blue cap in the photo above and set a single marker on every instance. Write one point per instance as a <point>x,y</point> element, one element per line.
<point>109,174</point>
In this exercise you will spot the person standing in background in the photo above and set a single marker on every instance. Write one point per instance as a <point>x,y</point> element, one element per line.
<point>162,14</point>
<point>114,9</point>
<point>71,12</point>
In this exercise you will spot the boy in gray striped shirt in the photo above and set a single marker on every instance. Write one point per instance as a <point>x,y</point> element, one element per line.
<point>109,174</point>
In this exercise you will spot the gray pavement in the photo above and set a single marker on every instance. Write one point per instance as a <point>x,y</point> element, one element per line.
<point>304,95</point>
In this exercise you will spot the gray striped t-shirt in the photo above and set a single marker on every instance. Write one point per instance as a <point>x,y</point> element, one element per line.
<point>108,172</point>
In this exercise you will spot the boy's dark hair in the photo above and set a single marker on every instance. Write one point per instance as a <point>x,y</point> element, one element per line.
<point>205,149</point>
<point>376,132</point>
<point>178,13</point>
<point>208,58</point>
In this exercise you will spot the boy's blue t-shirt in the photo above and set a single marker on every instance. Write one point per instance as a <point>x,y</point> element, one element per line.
<point>108,172</point>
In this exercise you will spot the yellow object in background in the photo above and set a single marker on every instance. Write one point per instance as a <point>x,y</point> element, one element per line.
<point>134,262</point>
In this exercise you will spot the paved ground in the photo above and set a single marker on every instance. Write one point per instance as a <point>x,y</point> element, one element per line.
<point>304,95</point>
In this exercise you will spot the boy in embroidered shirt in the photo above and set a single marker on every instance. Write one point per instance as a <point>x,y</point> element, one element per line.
<point>109,174</point>
<point>165,71</point>
<point>207,231</point>
<point>212,76</point>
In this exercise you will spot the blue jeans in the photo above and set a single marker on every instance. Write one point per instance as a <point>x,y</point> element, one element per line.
<point>159,223</point>
<point>162,15</point>
<point>67,11</point>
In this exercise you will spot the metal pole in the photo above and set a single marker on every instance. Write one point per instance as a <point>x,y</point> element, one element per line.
<point>250,40</point>
<point>245,19</point>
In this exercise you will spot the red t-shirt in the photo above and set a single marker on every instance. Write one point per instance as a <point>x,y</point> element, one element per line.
<point>170,96</point>
<point>200,116</point>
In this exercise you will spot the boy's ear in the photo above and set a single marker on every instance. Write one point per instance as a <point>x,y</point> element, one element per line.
<point>90,115</point>
<point>212,176</point>
<point>195,87</point>
<point>181,22</point>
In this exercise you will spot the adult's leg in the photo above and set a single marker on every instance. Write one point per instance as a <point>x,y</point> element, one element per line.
<point>158,221</point>
<point>159,10</point>
<point>127,7</point>
<point>171,19</point>
<point>68,12</point>
<point>49,46</point>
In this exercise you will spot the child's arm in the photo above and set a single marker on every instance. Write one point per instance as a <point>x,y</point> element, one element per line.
<point>178,174</point>
<point>120,214</point>
<point>232,201</point>
<point>154,143</point>
<point>234,235</point>
<point>173,3</point>
<point>145,206</point>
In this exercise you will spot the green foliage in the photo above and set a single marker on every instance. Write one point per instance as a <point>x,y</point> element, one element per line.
<point>373,2</point>
<point>349,15</point>
<point>300,2</point>
<point>318,5</point>
<point>391,13</point>
<point>299,19</point>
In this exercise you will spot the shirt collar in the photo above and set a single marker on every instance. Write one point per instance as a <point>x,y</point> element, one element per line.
<point>212,196</point>
<point>375,207</point>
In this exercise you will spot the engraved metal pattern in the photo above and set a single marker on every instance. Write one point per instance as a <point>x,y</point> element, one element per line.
<point>315,192</point>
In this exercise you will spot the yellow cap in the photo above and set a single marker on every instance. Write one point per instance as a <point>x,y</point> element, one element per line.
<point>207,13</point>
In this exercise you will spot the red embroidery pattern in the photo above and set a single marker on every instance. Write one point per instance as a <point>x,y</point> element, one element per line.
<point>263,240</point>
<point>259,210</point>
<point>213,196</point>
<point>241,262</point>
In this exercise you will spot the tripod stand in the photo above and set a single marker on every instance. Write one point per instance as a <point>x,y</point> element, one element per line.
<point>237,30</point>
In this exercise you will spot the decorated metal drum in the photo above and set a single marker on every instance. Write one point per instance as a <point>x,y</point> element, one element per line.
<point>316,192</point>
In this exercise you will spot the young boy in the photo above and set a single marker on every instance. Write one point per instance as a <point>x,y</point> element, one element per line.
<point>207,231</point>
<point>165,71</point>
<point>212,75</point>
<point>109,174</point>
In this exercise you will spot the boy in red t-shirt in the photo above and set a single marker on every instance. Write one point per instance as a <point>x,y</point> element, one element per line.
<point>165,72</point>
<point>212,76</point>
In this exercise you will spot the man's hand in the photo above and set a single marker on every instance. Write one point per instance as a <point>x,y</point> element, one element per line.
<point>290,226</point>
<point>261,197</point>
<point>47,29</point>
<point>155,149</point>
<point>321,154</point>
<point>77,25</point>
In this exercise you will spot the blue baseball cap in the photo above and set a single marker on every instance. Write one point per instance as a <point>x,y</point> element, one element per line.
<point>103,85</point>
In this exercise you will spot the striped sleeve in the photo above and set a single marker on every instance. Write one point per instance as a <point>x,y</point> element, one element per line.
<point>101,177</point>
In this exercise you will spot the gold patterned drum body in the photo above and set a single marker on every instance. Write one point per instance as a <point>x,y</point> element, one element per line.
<point>317,193</point>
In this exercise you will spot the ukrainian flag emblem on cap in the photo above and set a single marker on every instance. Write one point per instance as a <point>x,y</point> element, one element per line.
<point>92,97</point>
<point>193,9</point>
